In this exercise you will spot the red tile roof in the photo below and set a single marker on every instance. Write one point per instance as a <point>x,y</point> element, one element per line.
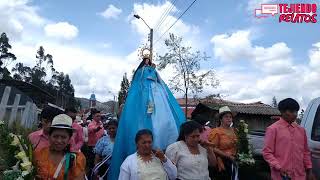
<point>191,101</point>
<point>247,108</point>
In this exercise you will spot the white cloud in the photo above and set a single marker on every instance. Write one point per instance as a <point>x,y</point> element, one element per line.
<point>281,77</point>
<point>237,46</point>
<point>250,86</point>
<point>314,55</point>
<point>61,30</point>
<point>275,59</point>
<point>89,71</point>
<point>111,12</point>
<point>16,15</point>
<point>94,72</point>
<point>236,84</point>
<point>231,47</point>
<point>152,14</point>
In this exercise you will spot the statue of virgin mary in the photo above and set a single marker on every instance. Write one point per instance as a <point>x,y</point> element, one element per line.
<point>149,105</point>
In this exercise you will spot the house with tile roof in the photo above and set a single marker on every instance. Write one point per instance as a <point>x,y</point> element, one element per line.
<point>257,114</point>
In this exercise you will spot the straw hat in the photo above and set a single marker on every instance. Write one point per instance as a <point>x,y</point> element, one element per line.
<point>224,110</point>
<point>62,121</point>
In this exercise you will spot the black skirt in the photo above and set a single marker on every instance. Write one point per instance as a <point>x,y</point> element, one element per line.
<point>226,174</point>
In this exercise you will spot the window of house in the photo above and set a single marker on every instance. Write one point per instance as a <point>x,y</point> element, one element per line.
<point>315,135</point>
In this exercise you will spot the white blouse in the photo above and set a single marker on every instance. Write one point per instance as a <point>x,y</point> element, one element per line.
<point>131,169</point>
<point>151,170</point>
<point>189,166</point>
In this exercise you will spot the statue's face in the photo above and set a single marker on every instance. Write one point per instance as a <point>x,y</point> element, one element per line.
<point>146,61</point>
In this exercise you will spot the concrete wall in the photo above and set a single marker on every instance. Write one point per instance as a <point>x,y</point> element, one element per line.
<point>15,106</point>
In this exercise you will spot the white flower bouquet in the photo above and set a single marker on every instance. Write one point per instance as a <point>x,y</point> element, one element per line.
<point>244,157</point>
<point>23,168</point>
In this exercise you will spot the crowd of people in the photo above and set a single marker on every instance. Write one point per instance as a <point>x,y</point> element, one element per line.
<point>153,140</point>
<point>62,151</point>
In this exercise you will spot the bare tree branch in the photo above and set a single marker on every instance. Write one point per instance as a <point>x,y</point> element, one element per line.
<point>186,63</point>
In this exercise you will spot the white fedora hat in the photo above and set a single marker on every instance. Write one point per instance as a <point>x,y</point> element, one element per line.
<point>62,121</point>
<point>223,110</point>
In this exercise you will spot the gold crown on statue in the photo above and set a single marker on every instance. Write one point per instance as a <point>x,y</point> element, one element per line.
<point>145,53</point>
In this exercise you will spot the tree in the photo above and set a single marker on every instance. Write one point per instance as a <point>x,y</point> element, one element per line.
<point>59,85</point>
<point>38,73</point>
<point>186,63</point>
<point>6,57</point>
<point>274,102</point>
<point>123,93</point>
<point>214,96</point>
<point>42,57</point>
<point>22,73</point>
<point>132,75</point>
<point>64,91</point>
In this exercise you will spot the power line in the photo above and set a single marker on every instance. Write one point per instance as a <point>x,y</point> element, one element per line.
<point>168,13</point>
<point>165,13</point>
<point>172,18</point>
<point>175,21</point>
<point>162,16</point>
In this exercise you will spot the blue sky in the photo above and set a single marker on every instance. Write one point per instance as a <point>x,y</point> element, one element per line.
<point>211,17</point>
<point>254,59</point>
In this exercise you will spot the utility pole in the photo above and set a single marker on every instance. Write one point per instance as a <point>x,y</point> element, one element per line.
<point>150,35</point>
<point>115,103</point>
<point>151,44</point>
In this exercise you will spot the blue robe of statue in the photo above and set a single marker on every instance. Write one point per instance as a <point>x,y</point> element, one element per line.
<point>149,105</point>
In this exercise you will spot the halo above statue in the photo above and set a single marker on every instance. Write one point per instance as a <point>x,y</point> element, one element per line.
<point>145,53</point>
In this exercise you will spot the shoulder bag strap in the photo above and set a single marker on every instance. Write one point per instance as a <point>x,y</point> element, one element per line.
<point>56,174</point>
<point>67,166</point>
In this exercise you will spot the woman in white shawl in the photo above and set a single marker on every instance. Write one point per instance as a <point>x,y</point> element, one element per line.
<point>146,163</point>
